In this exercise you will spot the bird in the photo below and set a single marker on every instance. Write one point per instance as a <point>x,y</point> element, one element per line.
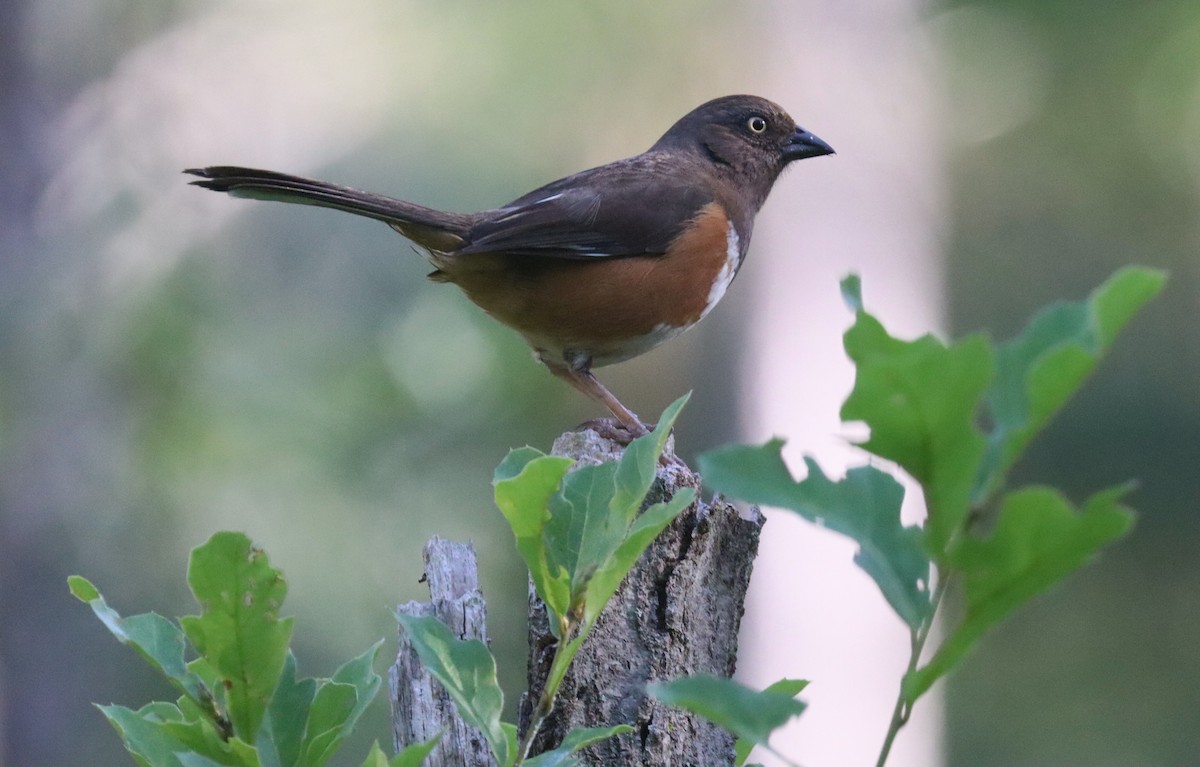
<point>603,265</point>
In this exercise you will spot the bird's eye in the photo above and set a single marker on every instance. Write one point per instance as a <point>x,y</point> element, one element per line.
<point>756,124</point>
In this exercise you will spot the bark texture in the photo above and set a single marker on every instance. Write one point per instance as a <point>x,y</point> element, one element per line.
<point>421,707</point>
<point>677,613</point>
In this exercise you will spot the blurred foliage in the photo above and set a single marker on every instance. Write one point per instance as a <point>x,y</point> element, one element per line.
<point>1098,173</point>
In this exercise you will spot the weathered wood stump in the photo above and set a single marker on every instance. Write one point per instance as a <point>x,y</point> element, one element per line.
<point>677,613</point>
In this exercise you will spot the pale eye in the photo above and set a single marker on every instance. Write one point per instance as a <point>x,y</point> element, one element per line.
<point>756,124</point>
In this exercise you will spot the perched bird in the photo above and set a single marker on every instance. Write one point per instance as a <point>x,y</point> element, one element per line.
<point>603,265</point>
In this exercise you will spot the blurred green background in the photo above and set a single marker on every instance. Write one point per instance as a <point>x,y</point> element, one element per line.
<point>173,363</point>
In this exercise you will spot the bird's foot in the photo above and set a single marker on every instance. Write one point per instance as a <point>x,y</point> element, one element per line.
<point>614,430</point>
<point>622,434</point>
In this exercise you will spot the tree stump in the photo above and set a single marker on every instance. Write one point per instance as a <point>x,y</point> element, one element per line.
<point>677,613</point>
<point>421,707</point>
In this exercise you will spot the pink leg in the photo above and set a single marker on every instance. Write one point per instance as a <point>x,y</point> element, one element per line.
<point>584,381</point>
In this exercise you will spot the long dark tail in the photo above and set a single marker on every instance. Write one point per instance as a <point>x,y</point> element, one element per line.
<point>434,229</point>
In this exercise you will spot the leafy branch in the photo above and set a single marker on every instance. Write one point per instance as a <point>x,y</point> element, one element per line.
<point>579,532</point>
<point>924,402</point>
<point>240,702</point>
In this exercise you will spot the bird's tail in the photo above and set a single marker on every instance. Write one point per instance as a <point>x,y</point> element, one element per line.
<point>434,229</point>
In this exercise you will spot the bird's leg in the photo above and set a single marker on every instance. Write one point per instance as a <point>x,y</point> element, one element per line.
<point>578,373</point>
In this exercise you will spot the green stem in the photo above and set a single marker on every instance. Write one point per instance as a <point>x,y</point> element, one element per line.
<point>546,700</point>
<point>903,708</point>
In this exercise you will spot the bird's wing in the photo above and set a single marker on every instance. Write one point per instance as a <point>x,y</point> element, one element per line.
<point>632,208</point>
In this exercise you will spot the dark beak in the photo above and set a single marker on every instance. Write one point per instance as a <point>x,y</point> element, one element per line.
<point>804,144</point>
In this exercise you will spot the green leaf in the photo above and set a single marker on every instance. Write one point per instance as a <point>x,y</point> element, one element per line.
<point>412,756</point>
<point>239,632</point>
<point>920,399</point>
<point>742,747</point>
<point>196,760</point>
<point>155,638</point>
<point>360,673</point>
<point>1038,540</point>
<point>851,286</point>
<point>337,706</point>
<point>162,735</point>
<point>192,725</point>
<point>82,589</point>
<point>523,484</point>
<point>143,736</point>
<point>376,757</point>
<point>415,754</point>
<point>864,506</point>
<point>333,704</point>
<point>468,672</point>
<point>563,756</point>
<point>582,531</point>
<point>199,737</point>
<point>645,529</point>
<point>574,527</point>
<point>748,714</point>
<point>639,463</point>
<point>282,730</point>
<point>591,516</point>
<point>1037,372</point>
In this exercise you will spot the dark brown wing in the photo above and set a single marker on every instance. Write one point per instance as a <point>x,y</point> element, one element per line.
<point>628,208</point>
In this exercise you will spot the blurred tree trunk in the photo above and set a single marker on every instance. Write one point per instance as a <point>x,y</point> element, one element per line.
<point>30,536</point>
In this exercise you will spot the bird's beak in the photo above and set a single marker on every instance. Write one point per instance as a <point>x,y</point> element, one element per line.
<point>804,144</point>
